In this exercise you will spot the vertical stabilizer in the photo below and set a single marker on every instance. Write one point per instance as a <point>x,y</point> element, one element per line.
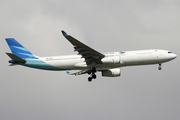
<point>18,50</point>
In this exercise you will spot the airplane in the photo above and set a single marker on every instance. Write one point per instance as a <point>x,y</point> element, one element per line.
<point>88,60</point>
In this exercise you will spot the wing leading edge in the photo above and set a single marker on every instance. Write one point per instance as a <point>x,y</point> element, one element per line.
<point>88,53</point>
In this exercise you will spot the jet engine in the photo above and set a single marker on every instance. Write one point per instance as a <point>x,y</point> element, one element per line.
<point>111,60</point>
<point>111,72</point>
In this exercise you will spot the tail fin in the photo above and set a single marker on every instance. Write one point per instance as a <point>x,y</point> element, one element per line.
<point>18,50</point>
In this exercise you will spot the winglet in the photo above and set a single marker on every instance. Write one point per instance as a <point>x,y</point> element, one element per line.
<point>64,33</point>
<point>68,72</point>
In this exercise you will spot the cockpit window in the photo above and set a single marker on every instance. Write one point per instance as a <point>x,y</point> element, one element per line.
<point>169,52</point>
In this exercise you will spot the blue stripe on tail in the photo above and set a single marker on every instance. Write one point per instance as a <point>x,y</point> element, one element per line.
<point>18,50</point>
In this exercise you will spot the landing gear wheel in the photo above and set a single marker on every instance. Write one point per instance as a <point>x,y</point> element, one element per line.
<point>89,79</point>
<point>159,68</point>
<point>94,76</point>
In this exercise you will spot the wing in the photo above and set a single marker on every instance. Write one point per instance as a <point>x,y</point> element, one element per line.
<point>88,53</point>
<point>77,73</point>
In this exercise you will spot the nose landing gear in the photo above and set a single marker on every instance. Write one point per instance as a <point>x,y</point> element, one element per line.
<point>159,68</point>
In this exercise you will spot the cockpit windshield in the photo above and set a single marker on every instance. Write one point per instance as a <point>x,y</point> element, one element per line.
<point>169,52</point>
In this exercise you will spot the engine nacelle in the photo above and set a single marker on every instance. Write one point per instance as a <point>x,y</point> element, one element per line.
<point>112,72</point>
<point>111,60</point>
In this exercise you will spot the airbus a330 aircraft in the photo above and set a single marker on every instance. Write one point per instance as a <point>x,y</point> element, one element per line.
<point>88,60</point>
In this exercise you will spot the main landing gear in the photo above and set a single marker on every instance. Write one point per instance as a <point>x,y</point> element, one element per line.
<point>159,68</point>
<point>92,74</point>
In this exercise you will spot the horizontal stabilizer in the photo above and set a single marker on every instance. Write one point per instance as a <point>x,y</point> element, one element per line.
<point>16,58</point>
<point>12,64</point>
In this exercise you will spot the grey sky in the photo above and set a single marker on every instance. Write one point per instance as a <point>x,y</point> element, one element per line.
<point>141,93</point>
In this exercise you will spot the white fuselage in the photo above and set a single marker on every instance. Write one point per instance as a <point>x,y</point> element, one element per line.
<point>111,60</point>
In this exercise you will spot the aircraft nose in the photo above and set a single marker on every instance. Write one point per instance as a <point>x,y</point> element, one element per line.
<point>175,55</point>
<point>171,56</point>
